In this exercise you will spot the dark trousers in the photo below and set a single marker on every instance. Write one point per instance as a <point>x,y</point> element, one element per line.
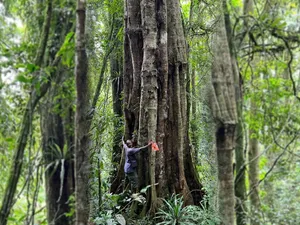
<point>133,180</point>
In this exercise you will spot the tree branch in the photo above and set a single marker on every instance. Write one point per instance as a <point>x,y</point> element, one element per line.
<point>274,163</point>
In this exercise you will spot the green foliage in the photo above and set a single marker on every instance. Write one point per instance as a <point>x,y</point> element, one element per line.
<point>116,208</point>
<point>263,63</point>
<point>106,218</point>
<point>267,73</point>
<point>185,8</point>
<point>110,219</point>
<point>67,50</point>
<point>280,191</point>
<point>71,202</point>
<point>23,79</point>
<point>175,213</point>
<point>18,44</point>
<point>236,3</point>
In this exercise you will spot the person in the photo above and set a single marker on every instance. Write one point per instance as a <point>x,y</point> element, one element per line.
<point>130,167</point>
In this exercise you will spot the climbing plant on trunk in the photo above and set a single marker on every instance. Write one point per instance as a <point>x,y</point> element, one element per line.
<point>57,122</point>
<point>154,96</point>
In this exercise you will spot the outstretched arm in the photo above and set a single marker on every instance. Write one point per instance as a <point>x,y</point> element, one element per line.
<point>146,146</point>
<point>135,150</point>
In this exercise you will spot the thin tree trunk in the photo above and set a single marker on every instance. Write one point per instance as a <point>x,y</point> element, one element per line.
<point>240,179</point>
<point>34,98</point>
<point>225,142</point>
<point>253,150</point>
<point>253,172</point>
<point>162,64</point>
<point>16,168</point>
<point>225,112</point>
<point>84,115</point>
<point>193,115</point>
<point>148,100</point>
<point>45,34</point>
<point>82,120</point>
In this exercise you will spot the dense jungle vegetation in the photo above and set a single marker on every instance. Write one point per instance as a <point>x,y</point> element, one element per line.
<point>215,85</point>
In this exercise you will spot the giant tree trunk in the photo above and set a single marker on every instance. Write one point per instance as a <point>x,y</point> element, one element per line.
<point>82,120</point>
<point>225,113</point>
<point>163,109</point>
<point>176,126</point>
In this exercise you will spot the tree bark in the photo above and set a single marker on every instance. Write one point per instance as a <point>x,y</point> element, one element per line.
<point>58,189</point>
<point>57,126</point>
<point>133,31</point>
<point>240,179</point>
<point>240,168</point>
<point>148,101</point>
<point>57,145</point>
<point>45,34</point>
<point>253,150</point>
<point>193,121</point>
<point>253,157</point>
<point>177,58</point>
<point>163,107</point>
<point>225,113</point>
<point>162,70</point>
<point>82,120</point>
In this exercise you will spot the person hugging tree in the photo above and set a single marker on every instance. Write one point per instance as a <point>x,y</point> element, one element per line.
<point>130,167</point>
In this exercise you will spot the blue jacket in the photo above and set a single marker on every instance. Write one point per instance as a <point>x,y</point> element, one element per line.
<point>130,158</point>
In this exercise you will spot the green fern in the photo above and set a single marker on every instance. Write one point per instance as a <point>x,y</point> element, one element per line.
<point>174,213</point>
